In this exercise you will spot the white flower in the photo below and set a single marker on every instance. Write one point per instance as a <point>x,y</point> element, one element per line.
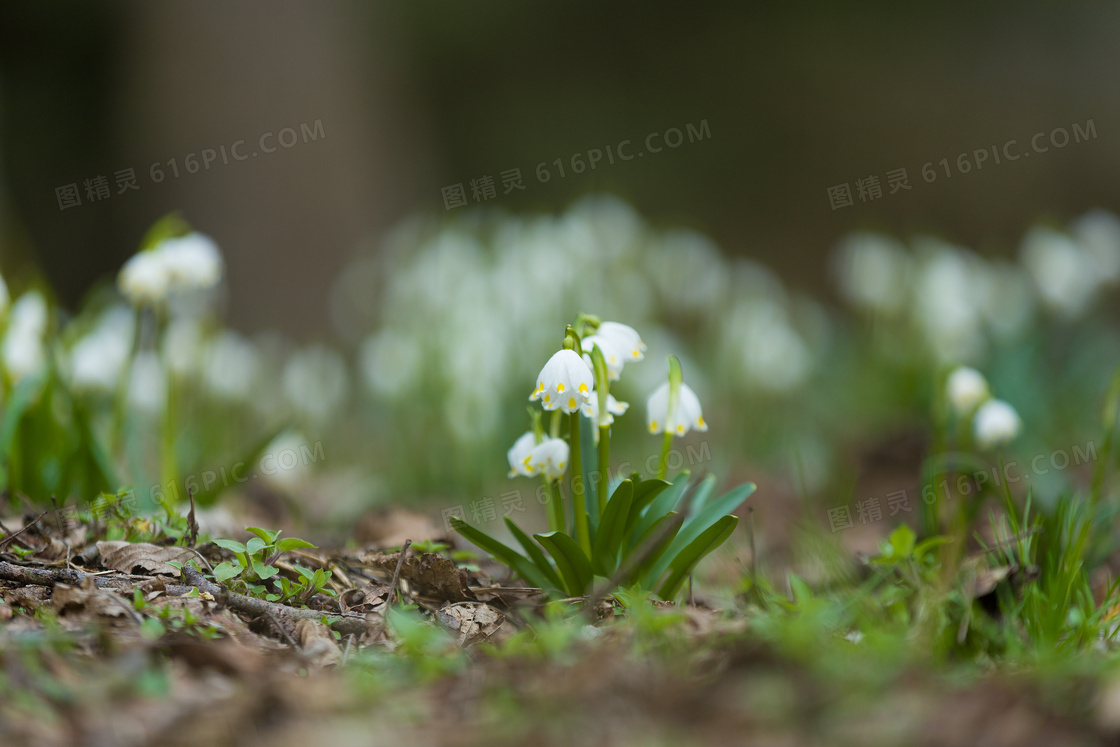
<point>97,360</point>
<point>192,261</point>
<point>612,356</point>
<point>231,366</point>
<point>624,338</point>
<point>565,382</point>
<point>549,458</point>
<point>520,455</point>
<point>316,381</point>
<point>24,353</point>
<point>1098,231</point>
<point>995,423</point>
<point>183,345</point>
<point>966,388</point>
<point>614,407</point>
<point>686,417</point>
<point>1065,273</point>
<point>147,386</point>
<point>145,278</point>
<point>390,362</point>
<point>873,271</point>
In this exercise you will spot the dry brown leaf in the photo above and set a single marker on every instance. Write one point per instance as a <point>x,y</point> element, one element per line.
<point>430,575</point>
<point>126,557</point>
<point>318,643</point>
<point>472,622</point>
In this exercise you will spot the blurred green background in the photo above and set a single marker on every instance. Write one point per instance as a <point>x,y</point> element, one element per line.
<point>417,96</point>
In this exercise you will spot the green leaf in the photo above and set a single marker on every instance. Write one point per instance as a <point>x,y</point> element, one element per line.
<point>902,542</point>
<point>573,564</point>
<point>536,555</point>
<point>255,545</point>
<point>268,535</point>
<point>666,502</point>
<point>17,404</point>
<point>693,553</point>
<point>655,554</point>
<point>151,629</point>
<point>515,560</point>
<point>264,571</point>
<point>612,530</point>
<point>306,573</point>
<point>698,522</point>
<point>292,543</point>
<point>801,591</point>
<point>232,545</point>
<point>644,493</point>
<point>226,571</point>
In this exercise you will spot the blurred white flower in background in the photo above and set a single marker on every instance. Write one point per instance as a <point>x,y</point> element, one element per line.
<point>24,350</point>
<point>147,384</point>
<point>316,382</point>
<point>1098,231</point>
<point>1064,272</point>
<point>873,272</point>
<point>995,423</point>
<point>966,388</point>
<point>614,407</point>
<point>950,291</point>
<point>98,359</point>
<point>761,343</point>
<point>389,362</point>
<point>183,345</point>
<point>181,263</point>
<point>231,366</point>
<point>687,269</point>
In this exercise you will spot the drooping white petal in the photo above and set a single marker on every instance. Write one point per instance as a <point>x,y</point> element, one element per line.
<point>192,261</point>
<point>966,388</point>
<point>520,455</point>
<point>612,354</point>
<point>995,423</point>
<point>688,414</point>
<point>565,382</point>
<point>624,338</point>
<point>550,457</point>
<point>145,278</point>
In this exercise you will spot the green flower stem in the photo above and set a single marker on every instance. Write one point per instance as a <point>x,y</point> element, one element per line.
<point>663,465</point>
<point>554,427</point>
<point>676,376</point>
<point>555,505</point>
<point>602,390</point>
<point>579,502</point>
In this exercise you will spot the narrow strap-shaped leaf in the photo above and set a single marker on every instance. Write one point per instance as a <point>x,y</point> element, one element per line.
<point>700,495</point>
<point>515,560</point>
<point>612,530</point>
<point>693,553</point>
<point>644,493</point>
<point>667,501</point>
<point>536,555</point>
<point>654,554</point>
<point>590,457</point>
<point>699,523</point>
<point>573,564</point>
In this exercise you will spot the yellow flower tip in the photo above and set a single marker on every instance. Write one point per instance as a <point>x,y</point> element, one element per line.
<point>653,427</point>
<point>559,388</point>
<point>635,353</point>
<point>700,422</point>
<point>680,429</point>
<point>561,465</point>
<point>583,388</point>
<point>571,402</point>
<point>547,398</point>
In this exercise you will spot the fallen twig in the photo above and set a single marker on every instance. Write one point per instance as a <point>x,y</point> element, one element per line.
<point>397,573</point>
